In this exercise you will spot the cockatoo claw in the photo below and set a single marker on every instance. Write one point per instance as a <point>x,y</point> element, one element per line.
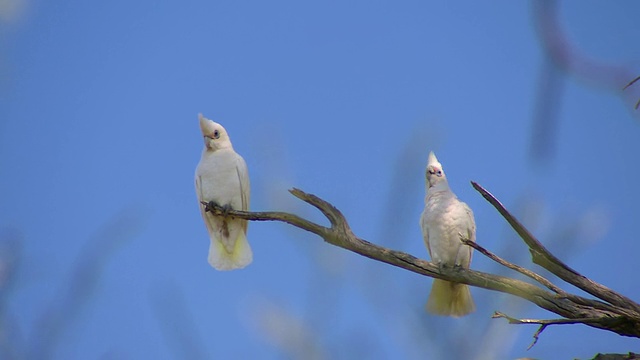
<point>211,206</point>
<point>225,210</point>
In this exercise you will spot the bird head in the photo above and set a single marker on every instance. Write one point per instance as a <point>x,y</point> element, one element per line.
<point>215,136</point>
<point>435,174</point>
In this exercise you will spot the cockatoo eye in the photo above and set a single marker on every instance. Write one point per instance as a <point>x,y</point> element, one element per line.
<point>439,172</point>
<point>216,134</point>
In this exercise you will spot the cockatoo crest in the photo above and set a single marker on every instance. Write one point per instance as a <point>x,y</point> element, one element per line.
<point>435,174</point>
<point>215,136</point>
<point>433,160</point>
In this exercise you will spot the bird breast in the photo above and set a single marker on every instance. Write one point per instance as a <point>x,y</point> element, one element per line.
<point>219,178</point>
<point>445,219</point>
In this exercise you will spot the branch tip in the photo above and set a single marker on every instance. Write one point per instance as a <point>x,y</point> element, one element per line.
<point>543,257</point>
<point>546,322</point>
<point>334,215</point>
<point>631,83</point>
<point>297,193</point>
<point>536,335</point>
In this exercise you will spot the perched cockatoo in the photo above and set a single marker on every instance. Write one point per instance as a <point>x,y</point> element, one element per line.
<point>222,177</point>
<point>443,220</point>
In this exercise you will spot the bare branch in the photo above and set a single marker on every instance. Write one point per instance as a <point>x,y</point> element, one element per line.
<point>631,83</point>
<point>269,216</point>
<point>339,234</point>
<point>542,280</point>
<point>627,356</point>
<point>512,266</point>
<point>566,54</point>
<point>542,256</point>
<point>544,323</point>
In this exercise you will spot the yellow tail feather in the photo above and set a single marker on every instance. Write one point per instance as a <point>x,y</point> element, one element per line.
<point>238,258</point>
<point>450,299</point>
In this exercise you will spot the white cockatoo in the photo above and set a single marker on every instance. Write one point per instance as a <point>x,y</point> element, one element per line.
<point>443,221</point>
<point>222,177</point>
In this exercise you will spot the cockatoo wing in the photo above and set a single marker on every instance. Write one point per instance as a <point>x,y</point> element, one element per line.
<point>245,188</point>
<point>207,217</point>
<point>425,231</point>
<point>471,228</point>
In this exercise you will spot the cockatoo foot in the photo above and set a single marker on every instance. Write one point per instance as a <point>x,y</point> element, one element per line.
<point>211,206</point>
<point>225,210</point>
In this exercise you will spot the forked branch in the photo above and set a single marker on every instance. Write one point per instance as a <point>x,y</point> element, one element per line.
<point>543,323</point>
<point>613,312</point>
<point>543,257</point>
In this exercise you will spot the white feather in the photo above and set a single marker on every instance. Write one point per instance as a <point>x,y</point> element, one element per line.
<point>443,219</point>
<point>222,176</point>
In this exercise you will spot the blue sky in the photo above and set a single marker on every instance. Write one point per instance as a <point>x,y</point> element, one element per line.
<point>99,140</point>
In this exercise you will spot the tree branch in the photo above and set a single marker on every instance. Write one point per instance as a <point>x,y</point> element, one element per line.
<point>543,257</point>
<point>540,279</point>
<point>543,323</point>
<point>612,317</point>
<point>629,84</point>
<point>512,266</point>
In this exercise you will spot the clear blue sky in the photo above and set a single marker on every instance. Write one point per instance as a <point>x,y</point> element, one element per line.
<point>99,140</point>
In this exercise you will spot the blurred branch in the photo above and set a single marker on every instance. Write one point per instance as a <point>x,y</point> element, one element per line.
<point>176,323</point>
<point>559,48</point>
<point>629,84</point>
<point>563,57</point>
<point>11,342</point>
<point>618,314</point>
<point>84,282</point>
<point>291,334</point>
<point>546,112</point>
<point>628,356</point>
